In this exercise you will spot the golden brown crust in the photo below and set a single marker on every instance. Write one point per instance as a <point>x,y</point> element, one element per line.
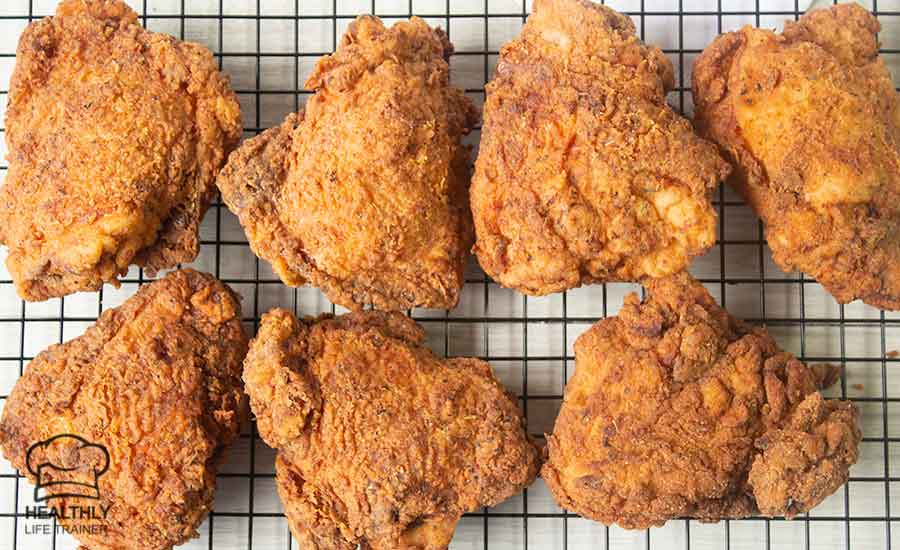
<point>677,409</point>
<point>115,135</point>
<point>584,173</point>
<point>811,121</point>
<point>365,196</point>
<point>157,383</point>
<point>380,443</point>
<point>251,183</point>
<point>803,462</point>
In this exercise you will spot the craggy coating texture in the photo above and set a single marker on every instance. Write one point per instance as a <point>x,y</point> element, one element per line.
<point>811,121</point>
<point>365,196</point>
<point>677,409</point>
<point>380,443</point>
<point>157,383</point>
<point>585,174</point>
<point>115,135</point>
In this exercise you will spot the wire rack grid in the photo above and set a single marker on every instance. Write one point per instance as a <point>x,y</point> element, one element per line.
<point>267,47</point>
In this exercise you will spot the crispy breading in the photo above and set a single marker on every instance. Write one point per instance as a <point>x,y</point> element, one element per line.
<point>156,382</point>
<point>676,409</point>
<point>585,174</point>
<point>115,135</point>
<point>811,121</point>
<point>380,443</point>
<point>365,194</point>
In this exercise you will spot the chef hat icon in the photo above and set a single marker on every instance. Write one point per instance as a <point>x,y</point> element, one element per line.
<point>67,465</point>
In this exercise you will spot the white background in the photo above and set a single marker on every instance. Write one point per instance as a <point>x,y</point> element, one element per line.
<point>491,321</point>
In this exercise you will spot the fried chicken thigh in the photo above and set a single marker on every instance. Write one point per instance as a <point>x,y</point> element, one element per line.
<point>585,174</point>
<point>365,194</point>
<point>380,443</point>
<point>811,121</point>
<point>115,135</point>
<point>676,409</point>
<point>156,383</point>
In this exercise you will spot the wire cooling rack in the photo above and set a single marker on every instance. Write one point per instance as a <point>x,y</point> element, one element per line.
<point>268,47</point>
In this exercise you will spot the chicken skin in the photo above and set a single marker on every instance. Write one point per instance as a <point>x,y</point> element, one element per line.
<point>676,409</point>
<point>585,174</point>
<point>811,121</point>
<point>380,443</point>
<point>115,135</point>
<point>365,194</point>
<point>142,406</point>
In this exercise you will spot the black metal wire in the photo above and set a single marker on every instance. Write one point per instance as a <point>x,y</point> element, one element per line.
<point>446,322</point>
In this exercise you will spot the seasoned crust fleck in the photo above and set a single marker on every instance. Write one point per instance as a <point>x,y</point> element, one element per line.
<point>365,195</point>
<point>676,409</point>
<point>156,382</point>
<point>115,135</point>
<point>380,443</point>
<point>584,172</point>
<point>811,120</point>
